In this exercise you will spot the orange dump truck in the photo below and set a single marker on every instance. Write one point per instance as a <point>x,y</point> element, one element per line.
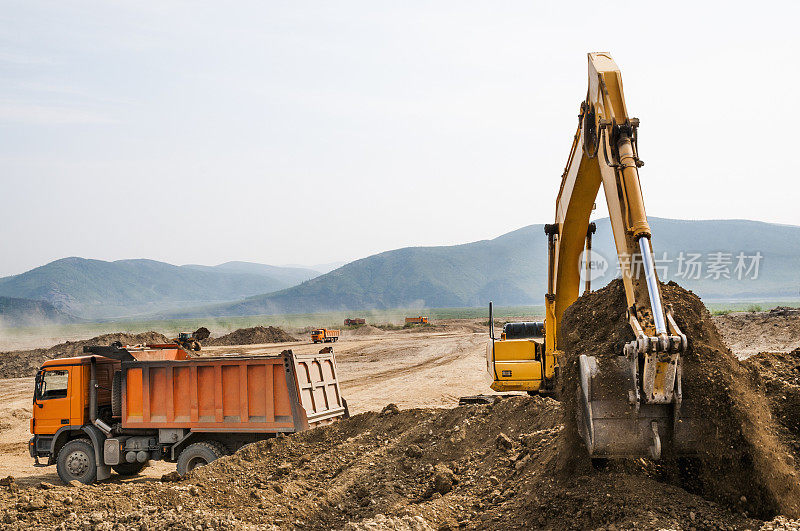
<point>417,320</point>
<point>122,407</point>
<point>324,335</point>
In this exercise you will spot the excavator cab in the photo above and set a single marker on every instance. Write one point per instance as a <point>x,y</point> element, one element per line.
<point>515,361</point>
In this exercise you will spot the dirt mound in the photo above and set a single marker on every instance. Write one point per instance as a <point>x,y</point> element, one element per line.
<point>780,373</point>
<point>745,466</point>
<point>480,467</point>
<point>750,333</point>
<point>21,363</point>
<point>366,330</point>
<point>252,336</point>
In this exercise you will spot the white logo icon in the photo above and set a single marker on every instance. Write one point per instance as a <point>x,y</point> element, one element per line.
<point>598,265</point>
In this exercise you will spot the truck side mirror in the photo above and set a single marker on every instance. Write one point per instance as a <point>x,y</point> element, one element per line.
<point>37,388</point>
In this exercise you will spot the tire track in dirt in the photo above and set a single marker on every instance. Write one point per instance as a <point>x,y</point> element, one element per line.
<point>445,355</point>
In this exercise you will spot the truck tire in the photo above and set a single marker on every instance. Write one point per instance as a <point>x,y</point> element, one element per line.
<point>116,394</point>
<point>222,449</point>
<point>197,455</point>
<point>129,469</point>
<point>76,461</point>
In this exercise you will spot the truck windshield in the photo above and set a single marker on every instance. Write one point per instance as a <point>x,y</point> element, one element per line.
<point>52,384</point>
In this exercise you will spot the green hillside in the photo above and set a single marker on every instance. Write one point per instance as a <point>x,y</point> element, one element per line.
<point>99,289</point>
<point>511,270</point>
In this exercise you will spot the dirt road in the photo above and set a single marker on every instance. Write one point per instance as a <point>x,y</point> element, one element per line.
<point>411,369</point>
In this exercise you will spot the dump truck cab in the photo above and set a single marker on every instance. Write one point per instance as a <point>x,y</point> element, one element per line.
<point>61,404</point>
<point>123,407</point>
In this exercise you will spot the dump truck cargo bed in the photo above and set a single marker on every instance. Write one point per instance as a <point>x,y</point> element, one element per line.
<point>285,393</point>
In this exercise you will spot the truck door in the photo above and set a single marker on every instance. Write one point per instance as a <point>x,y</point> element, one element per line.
<point>51,400</point>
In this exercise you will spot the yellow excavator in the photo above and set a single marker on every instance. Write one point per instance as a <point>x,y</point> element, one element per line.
<point>631,408</point>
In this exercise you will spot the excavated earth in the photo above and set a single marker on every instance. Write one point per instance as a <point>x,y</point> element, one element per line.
<point>743,462</point>
<point>509,465</point>
<point>475,467</point>
<point>780,374</point>
<point>251,336</point>
<point>23,363</point>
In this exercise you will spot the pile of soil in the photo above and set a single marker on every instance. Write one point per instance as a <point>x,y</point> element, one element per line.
<point>251,336</point>
<point>21,363</point>
<point>366,330</point>
<point>743,463</point>
<point>476,467</point>
<point>750,333</point>
<point>780,373</point>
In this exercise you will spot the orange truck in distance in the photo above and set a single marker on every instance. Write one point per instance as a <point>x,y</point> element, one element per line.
<point>416,320</point>
<point>355,321</point>
<point>324,335</point>
<point>119,408</point>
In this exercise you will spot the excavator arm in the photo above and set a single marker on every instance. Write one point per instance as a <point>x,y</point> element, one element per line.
<point>604,153</point>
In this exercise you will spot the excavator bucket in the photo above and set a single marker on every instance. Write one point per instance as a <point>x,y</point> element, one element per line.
<point>613,423</point>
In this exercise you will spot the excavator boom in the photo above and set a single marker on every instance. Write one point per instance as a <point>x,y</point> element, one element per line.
<point>630,420</point>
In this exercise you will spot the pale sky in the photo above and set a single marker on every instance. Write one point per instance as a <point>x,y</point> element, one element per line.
<point>311,132</point>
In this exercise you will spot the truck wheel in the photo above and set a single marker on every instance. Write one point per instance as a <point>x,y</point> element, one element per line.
<point>129,469</point>
<point>76,461</point>
<point>116,394</point>
<point>197,455</point>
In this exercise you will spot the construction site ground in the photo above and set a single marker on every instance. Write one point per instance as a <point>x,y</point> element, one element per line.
<point>424,463</point>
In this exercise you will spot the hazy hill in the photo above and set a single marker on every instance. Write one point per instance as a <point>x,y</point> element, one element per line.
<point>27,312</point>
<point>511,270</point>
<point>289,275</point>
<point>99,289</point>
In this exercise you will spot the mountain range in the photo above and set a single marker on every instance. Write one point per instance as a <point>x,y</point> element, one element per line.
<point>511,270</point>
<point>96,289</point>
<point>718,259</point>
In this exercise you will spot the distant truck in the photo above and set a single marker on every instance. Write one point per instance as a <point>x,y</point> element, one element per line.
<point>121,407</point>
<point>416,320</point>
<point>324,335</point>
<point>356,321</point>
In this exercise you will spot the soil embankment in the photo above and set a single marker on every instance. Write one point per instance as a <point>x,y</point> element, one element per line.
<point>256,335</point>
<point>21,363</point>
<point>753,332</point>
